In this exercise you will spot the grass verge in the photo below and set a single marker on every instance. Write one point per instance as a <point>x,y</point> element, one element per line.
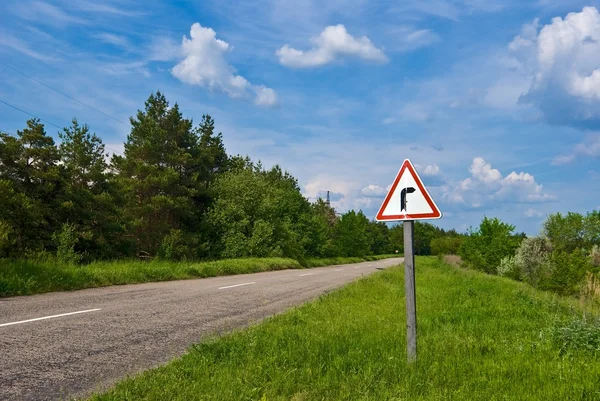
<point>480,338</point>
<point>27,277</point>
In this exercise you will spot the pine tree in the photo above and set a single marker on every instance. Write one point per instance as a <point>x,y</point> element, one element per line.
<point>91,201</point>
<point>32,186</point>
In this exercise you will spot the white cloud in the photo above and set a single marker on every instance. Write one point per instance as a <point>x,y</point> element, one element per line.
<point>531,213</point>
<point>265,96</point>
<point>112,39</point>
<point>388,120</point>
<point>589,148</point>
<point>333,43</point>
<point>487,184</point>
<point>374,191</point>
<point>562,60</point>
<point>10,42</point>
<point>204,65</point>
<point>430,169</point>
<point>46,13</point>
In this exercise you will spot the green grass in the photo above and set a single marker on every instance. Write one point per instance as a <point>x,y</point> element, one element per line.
<point>480,338</point>
<point>27,277</point>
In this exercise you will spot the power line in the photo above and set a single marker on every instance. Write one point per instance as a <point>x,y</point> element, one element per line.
<point>28,113</point>
<point>62,93</point>
<point>6,132</point>
<point>41,119</point>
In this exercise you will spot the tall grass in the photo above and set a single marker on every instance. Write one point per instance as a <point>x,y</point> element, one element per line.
<point>480,338</point>
<point>27,277</point>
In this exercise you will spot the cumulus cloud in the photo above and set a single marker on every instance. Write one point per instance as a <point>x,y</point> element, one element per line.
<point>332,44</point>
<point>431,170</point>
<point>204,64</point>
<point>531,213</point>
<point>562,59</point>
<point>374,191</point>
<point>487,184</point>
<point>589,148</point>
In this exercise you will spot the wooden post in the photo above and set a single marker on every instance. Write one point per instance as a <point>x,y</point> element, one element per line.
<point>409,289</point>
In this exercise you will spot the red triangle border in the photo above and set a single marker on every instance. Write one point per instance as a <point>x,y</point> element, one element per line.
<point>436,214</point>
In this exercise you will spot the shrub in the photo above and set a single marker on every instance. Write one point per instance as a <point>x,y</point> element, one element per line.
<point>445,245</point>
<point>566,272</point>
<point>532,259</point>
<point>178,245</point>
<point>595,256</point>
<point>590,288</point>
<point>509,267</point>
<point>484,248</point>
<point>580,334</point>
<point>65,241</point>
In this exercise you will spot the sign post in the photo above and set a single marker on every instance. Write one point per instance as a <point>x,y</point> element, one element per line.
<point>407,201</point>
<point>409,291</point>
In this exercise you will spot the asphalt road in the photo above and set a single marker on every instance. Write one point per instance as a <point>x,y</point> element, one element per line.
<point>49,352</point>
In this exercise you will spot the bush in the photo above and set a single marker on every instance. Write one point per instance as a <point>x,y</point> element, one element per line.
<point>595,256</point>
<point>590,288</point>
<point>484,248</point>
<point>509,267</point>
<point>65,241</point>
<point>178,245</point>
<point>532,259</point>
<point>566,272</point>
<point>445,245</point>
<point>579,334</point>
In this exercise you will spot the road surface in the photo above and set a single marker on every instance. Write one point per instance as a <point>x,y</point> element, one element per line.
<point>54,346</point>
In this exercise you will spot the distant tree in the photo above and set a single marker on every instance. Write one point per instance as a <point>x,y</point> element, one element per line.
<point>165,174</point>
<point>92,206</point>
<point>351,236</point>
<point>486,246</point>
<point>31,187</point>
<point>258,212</point>
<point>380,236</point>
<point>566,232</point>
<point>396,234</point>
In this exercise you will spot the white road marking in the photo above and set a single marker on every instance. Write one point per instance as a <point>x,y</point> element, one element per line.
<point>306,274</point>
<point>49,317</point>
<point>338,270</point>
<point>236,285</point>
<point>357,267</point>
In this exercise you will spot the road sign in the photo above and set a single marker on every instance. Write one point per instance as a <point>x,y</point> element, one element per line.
<point>408,198</point>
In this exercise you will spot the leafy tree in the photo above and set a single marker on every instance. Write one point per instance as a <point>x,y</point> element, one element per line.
<point>565,231</point>
<point>446,245</point>
<point>485,247</point>
<point>258,212</point>
<point>380,237</point>
<point>319,222</point>
<point>396,234</point>
<point>352,235</point>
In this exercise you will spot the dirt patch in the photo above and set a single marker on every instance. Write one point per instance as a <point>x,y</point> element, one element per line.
<point>453,260</point>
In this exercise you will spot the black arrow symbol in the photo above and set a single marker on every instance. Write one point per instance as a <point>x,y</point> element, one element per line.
<point>403,194</point>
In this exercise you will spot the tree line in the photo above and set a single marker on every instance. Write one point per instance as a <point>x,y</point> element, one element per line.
<point>175,193</point>
<point>563,258</point>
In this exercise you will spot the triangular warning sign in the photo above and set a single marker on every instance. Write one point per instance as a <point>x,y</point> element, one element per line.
<point>408,198</point>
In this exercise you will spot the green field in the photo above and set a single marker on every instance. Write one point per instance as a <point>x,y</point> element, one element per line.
<point>480,338</point>
<point>23,277</point>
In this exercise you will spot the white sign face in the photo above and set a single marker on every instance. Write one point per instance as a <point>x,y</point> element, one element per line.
<point>408,198</point>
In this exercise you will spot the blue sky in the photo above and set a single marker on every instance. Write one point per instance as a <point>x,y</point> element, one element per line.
<point>497,103</point>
